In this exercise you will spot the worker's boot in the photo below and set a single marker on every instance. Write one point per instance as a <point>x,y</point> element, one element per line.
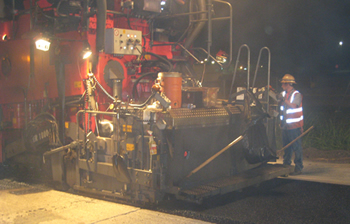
<point>296,172</point>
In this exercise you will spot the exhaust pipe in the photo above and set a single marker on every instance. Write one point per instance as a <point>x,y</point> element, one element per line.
<point>200,25</point>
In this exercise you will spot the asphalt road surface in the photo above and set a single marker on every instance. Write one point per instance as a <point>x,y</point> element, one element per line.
<point>275,201</point>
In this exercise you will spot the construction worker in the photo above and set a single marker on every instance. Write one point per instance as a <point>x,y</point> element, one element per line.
<point>291,122</point>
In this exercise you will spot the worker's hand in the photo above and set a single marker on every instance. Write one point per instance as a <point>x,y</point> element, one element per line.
<point>280,98</point>
<point>302,130</point>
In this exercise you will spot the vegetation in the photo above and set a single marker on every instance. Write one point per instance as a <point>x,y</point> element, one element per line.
<point>331,130</point>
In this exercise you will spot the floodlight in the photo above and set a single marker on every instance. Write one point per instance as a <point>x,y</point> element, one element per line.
<point>4,37</point>
<point>86,52</point>
<point>43,44</point>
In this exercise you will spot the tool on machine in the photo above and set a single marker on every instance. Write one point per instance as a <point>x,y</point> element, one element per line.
<point>289,144</point>
<point>239,138</point>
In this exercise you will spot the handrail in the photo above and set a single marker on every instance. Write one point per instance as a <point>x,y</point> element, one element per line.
<point>210,27</point>
<point>268,75</point>
<point>268,79</point>
<point>231,31</point>
<point>188,52</point>
<point>235,69</point>
<point>214,59</point>
<point>210,19</point>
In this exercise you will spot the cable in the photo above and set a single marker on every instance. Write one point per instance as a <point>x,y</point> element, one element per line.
<point>162,59</point>
<point>144,104</point>
<point>134,90</point>
<point>77,101</point>
<point>111,97</point>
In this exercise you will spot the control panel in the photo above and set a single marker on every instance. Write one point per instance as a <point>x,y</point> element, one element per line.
<point>123,41</point>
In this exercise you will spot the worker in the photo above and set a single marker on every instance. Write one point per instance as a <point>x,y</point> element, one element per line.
<point>291,122</point>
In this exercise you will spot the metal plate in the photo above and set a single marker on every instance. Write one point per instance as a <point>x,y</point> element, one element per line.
<point>184,118</point>
<point>235,182</point>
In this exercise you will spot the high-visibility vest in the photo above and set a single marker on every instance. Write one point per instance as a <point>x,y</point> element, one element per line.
<point>291,118</point>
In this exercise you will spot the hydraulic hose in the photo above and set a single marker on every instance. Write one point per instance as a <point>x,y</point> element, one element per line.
<point>144,104</point>
<point>133,105</point>
<point>162,59</point>
<point>138,80</point>
<point>103,89</point>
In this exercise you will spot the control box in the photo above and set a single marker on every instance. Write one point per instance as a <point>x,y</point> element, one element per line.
<point>123,41</point>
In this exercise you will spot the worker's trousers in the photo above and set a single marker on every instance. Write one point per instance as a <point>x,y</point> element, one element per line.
<point>287,137</point>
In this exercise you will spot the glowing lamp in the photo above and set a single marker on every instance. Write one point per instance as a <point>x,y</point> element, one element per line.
<point>4,37</point>
<point>86,52</point>
<point>43,44</point>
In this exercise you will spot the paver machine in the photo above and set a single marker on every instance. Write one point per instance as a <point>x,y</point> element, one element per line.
<point>134,120</point>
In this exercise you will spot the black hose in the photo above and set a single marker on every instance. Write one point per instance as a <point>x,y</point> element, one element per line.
<point>162,59</point>
<point>144,104</point>
<point>134,90</point>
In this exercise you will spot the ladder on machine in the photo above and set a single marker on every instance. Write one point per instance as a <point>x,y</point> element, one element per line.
<point>270,123</point>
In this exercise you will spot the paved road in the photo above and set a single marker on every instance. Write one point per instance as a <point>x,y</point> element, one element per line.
<point>276,201</point>
<point>320,195</point>
<point>36,204</point>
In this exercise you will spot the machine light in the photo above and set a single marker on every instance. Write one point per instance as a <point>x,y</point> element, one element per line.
<point>43,44</point>
<point>213,62</point>
<point>86,52</point>
<point>4,37</point>
<point>221,58</point>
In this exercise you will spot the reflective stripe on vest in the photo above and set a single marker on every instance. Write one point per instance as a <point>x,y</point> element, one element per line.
<point>294,120</point>
<point>294,110</point>
<point>294,116</point>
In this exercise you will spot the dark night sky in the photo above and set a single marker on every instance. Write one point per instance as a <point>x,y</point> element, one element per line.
<point>303,36</point>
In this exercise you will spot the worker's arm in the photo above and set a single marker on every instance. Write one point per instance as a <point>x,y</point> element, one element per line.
<point>296,101</point>
<point>290,105</point>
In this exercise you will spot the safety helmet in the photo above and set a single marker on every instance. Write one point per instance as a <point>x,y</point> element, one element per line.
<point>287,78</point>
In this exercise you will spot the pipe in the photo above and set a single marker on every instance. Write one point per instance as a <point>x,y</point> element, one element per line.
<point>60,76</point>
<point>181,14</point>
<point>100,29</point>
<point>210,31</point>
<point>117,88</point>
<point>199,27</point>
<point>62,148</point>
<point>101,25</point>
